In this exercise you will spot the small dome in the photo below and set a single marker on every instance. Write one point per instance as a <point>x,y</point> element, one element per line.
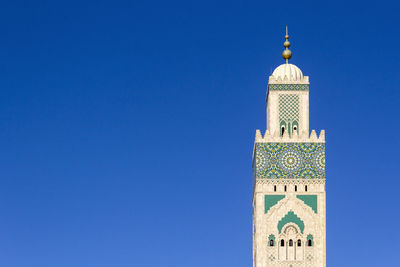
<point>288,72</point>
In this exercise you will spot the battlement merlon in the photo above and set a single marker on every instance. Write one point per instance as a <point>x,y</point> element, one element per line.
<point>278,80</point>
<point>294,138</point>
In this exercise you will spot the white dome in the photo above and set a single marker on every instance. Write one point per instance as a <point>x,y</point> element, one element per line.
<point>288,72</point>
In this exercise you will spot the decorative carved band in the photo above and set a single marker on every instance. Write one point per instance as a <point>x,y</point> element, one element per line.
<point>290,181</point>
<point>290,160</point>
<point>288,87</point>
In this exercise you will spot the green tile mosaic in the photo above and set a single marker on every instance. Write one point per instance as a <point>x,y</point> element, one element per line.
<point>288,87</point>
<point>271,200</point>
<point>310,200</point>
<point>289,106</point>
<point>290,217</point>
<point>290,160</point>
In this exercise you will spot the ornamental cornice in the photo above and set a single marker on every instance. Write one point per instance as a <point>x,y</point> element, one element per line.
<point>295,138</point>
<point>263,181</point>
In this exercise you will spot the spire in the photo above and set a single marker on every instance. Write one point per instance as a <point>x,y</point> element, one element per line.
<point>286,54</point>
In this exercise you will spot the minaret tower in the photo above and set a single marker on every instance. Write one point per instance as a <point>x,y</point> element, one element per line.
<point>289,176</point>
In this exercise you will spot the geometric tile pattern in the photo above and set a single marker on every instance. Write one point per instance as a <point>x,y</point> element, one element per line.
<point>272,200</point>
<point>271,257</point>
<point>310,200</point>
<point>288,87</point>
<point>288,108</point>
<point>290,160</point>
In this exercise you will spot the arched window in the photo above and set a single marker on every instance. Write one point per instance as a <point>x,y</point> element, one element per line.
<point>275,188</point>
<point>285,188</point>
<point>306,188</point>
<point>295,188</point>
<point>282,243</point>
<point>299,243</point>
<point>290,243</point>
<point>282,130</point>
<point>309,243</point>
<point>295,127</point>
<point>271,243</point>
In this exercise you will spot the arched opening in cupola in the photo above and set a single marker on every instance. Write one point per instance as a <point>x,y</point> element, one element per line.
<point>283,127</point>
<point>295,126</point>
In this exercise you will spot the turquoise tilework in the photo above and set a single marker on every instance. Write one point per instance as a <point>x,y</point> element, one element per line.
<point>288,87</point>
<point>290,160</point>
<point>310,200</point>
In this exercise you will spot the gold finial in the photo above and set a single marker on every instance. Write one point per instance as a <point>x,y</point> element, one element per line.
<point>286,54</point>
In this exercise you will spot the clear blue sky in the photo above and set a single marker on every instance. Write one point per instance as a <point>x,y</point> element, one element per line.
<point>126,128</point>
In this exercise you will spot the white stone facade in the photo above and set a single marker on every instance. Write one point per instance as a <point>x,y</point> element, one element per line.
<point>290,210</point>
<point>265,224</point>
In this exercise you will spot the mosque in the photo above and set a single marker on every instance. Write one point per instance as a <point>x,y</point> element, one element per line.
<point>289,206</point>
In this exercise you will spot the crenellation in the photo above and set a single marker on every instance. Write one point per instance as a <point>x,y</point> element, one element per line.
<point>313,136</point>
<point>259,137</point>
<point>303,138</point>
<point>286,80</point>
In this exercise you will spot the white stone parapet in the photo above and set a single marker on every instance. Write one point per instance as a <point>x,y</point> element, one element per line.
<point>279,80</point>
<point>303,138</point>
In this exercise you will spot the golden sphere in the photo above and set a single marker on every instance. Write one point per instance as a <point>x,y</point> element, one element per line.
<point>286,44</point>
<point>287,54</point>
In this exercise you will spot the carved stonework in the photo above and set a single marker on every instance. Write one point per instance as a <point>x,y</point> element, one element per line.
<point>289,215</point>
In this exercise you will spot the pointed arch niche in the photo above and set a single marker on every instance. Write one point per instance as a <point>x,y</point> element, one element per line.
<point>291,217</point>
<point>291,231</point>
<point>290,247</point>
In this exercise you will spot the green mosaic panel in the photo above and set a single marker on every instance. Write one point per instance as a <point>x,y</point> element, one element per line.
<point>290,160</point>
<point>291,217</point>
<point>288,108</point>
<point>310,200</point>
<point>288,87</point>
<point>271,200</point>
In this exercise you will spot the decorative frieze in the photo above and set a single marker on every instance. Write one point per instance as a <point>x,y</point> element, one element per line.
<point>262,181</point>
<point>290,160</point>
<point>288,87</point>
